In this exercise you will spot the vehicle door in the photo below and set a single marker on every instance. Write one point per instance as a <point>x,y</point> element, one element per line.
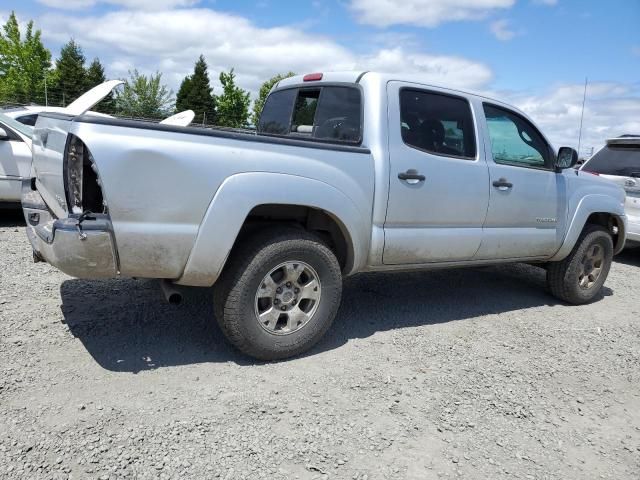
<point>15,162</point>
<point>438,185</point>
<point>15,154</point>
<point>524,203</point>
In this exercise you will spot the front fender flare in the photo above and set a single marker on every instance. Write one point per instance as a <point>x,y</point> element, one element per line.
<point>240,193</point>
<point>587,206</point>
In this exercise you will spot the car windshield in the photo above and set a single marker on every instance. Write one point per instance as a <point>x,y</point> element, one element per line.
<point>25,130</point>
<point>621,160</point>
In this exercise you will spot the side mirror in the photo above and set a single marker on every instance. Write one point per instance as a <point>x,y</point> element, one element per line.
<point>3,134</point>
<point>567,158</point>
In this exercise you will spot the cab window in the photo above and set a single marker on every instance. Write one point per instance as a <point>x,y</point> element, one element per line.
<point>515,141</point>
<point>437,123</point>
<point>331,113</point>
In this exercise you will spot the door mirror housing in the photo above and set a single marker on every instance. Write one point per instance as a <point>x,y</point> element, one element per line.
<point>3,134</point>
<point>567,158</point>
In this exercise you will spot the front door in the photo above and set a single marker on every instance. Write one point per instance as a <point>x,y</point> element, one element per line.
<point>524,207</point>
<point>438,185</point>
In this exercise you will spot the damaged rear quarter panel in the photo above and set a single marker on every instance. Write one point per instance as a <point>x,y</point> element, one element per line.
<point>158,186</point>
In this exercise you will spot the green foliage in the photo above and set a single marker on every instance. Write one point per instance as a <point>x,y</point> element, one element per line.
<point>195,94</point>
<point>23,64</point>
<point>71,81</point>
<point>144,97</point>
<point>94,75</point>
<point>233,103</point>
<point>265,88</point>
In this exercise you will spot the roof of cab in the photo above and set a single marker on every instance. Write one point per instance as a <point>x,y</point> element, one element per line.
<point>357,76</point>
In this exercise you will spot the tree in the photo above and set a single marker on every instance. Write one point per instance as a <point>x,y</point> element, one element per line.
<point>195,94</point>
<point>266,87</point>
<point>94,75</point>
<point>144,97</point>
<point>71,79</point>
<point>233,104</point>
<point>23,64</point>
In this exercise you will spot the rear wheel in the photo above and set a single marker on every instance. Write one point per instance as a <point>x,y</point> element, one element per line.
<point>279,294</point>
<point>580,276</point>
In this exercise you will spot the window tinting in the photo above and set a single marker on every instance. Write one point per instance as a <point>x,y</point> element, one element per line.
<point>28,119</point>
<point>276,114</point>
<point>338,115</point>
<point>621,161</point>
<point>514,140</point>
<point>329,113</point>
<point>437,123</point>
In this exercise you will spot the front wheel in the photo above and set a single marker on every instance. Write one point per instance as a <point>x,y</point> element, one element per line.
<point>279,294</point>
<point>579,278</point>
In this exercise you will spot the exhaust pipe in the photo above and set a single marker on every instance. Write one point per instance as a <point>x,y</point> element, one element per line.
<point>171,294</point>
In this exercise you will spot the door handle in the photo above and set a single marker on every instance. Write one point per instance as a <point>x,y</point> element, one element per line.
<point>502,184</point>
<point>411,176</point>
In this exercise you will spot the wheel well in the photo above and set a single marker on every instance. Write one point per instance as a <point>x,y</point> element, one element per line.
<point>315,220</point>
<point>612,223</point>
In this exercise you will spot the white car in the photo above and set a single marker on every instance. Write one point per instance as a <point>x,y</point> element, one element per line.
<point>15,158</point>
<point>619,161</point>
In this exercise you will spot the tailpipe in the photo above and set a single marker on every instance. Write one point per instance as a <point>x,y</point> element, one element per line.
<point>171,294</point>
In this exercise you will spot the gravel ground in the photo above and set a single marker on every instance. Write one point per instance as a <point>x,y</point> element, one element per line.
<point>474,373</point>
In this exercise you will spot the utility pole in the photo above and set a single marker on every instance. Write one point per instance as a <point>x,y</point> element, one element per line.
<point>584,98</point>
<point>46,99</point>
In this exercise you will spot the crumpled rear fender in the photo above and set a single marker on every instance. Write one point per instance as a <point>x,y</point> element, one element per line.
<point>240,193</point>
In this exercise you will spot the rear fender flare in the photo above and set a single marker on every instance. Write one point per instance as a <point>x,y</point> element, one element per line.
<point>588,205</point>
<point>240,193</point>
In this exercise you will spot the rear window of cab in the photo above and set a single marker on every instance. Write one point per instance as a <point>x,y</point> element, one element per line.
<point>328,113</point>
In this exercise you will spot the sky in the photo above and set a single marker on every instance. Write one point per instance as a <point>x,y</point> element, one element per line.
<point>534,54</point>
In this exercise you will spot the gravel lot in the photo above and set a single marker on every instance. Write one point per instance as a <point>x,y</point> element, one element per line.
<point>474,373</point>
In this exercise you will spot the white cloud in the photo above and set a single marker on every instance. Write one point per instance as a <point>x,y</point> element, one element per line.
<point>550,3</point>
<point>611,109</point>
<point>131,4</point>
<point>172,40</point>
<point>423,13</point>
<point>502,31</point>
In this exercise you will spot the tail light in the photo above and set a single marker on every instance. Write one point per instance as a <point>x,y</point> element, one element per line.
<point>81,182</point>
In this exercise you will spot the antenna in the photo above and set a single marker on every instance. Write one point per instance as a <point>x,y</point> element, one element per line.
<point>584,98</point>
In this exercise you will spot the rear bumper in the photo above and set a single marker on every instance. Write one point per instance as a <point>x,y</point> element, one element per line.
<point>59,242</point>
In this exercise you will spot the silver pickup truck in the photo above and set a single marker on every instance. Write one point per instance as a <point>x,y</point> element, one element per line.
<point>347,173</point>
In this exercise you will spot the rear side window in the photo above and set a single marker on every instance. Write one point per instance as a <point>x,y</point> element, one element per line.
<point>329,113</point>
<point>619,160</point>
<point>437,123</point>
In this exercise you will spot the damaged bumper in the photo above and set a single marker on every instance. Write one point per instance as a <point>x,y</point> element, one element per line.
<point>85,251</point>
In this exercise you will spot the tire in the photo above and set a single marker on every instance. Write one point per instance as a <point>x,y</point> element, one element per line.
<point>569,279</point>
<point>280,334</point>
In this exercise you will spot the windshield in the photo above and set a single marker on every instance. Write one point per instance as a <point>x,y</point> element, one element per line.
<point>622,161</point>
<point>25,130</point>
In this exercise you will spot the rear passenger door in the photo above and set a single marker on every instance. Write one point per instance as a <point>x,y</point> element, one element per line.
<point>524,203</point>
<point>438,185</point>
